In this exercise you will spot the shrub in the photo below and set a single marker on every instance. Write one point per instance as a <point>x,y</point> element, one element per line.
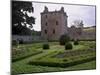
<point>46,46</point>
<point>72,39</point>
<point>21,41</point>
<point>14,42</point>
<point>65,60</point>
<point>68,46</point>
<point>64,39</point>
<point>17,58</point>
<point>76,42</point>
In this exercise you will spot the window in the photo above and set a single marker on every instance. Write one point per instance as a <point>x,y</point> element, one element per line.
<point>53,31</point>
<point>56,22</point>
<point>46,16</point>
<point>45,31</point>
<point>46,24</point>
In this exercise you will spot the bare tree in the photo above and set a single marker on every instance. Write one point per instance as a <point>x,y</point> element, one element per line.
<point>77,23</point>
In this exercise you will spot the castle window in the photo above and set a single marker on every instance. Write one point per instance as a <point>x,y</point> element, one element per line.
<point>53,31</point>
<point>56,22</point>
<point>46,24</point>
<point>45,31</point>
<point>46,16</point>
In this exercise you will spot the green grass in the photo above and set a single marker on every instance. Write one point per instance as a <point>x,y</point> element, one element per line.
<point>78,58</point>
<point>23,51</point>
<point>22,66</point>
<point>84,66</point>
<point>90,29</point>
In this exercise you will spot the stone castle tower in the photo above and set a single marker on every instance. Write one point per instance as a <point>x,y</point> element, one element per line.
<point>53,24</point>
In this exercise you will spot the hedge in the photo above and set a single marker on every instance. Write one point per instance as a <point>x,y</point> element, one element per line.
<point>62,64</point>
<point>25,56</point>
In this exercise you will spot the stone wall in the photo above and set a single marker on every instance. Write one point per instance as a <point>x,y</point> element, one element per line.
<point>88,35</point>
<point>78,33</point>
<point>27,39</point>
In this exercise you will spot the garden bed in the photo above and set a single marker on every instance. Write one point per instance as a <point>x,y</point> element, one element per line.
<point>55,56</point>
<point>69,58</point>
<point>63,63</point>
<point>24,51</point>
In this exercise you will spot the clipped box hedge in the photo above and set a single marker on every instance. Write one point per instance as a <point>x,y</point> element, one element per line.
<point>17,58</point>
<point>67,63</point>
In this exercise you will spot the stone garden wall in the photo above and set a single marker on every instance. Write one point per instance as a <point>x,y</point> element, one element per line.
<point>26,39</point>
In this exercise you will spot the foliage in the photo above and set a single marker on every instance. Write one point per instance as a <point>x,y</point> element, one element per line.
<point>46,46</point>
<point>73,57</point>
<point>77,23</point>
<point>68,46</point>
<point>76,42</point>
<point>79,53</point>
<point>36,33</point>
<point>69,62</point>
<point>64,39</point>
<point>24,51</point>
<point>72,53</point>
<point>20,18</point>
<point>72,39</point>
<point>17,58</point>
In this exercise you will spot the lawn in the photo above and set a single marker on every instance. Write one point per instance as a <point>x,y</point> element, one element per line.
<point>34,52</point>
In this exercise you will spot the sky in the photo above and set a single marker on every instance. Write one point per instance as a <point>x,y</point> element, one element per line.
<point>74,12</point>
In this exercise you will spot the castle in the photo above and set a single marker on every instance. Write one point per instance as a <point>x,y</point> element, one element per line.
<point>55,23</point>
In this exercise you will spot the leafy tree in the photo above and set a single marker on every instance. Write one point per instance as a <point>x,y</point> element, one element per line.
<point>64,39</point>
<point>20,17</point>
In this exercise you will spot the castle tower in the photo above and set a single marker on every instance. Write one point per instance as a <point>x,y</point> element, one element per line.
<point>53,24</point>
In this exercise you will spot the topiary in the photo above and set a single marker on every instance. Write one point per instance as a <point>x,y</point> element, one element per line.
<point>46,46</point>
<point>64,39</point>
<point>76,42</point>
<point>68,46</point>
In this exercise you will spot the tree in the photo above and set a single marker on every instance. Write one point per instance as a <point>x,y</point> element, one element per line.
<point>77,23</point>
<point>64,39</point>
<point>20,17</point>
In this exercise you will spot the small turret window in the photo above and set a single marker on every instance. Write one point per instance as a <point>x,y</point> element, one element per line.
<point>46,16</point>
<point>56,22</point>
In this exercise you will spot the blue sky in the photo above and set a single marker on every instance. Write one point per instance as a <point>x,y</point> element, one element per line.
<point>74,12</point>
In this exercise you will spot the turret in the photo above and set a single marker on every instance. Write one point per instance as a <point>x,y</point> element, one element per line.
<point>62,9</point>
<point>46,9</point>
